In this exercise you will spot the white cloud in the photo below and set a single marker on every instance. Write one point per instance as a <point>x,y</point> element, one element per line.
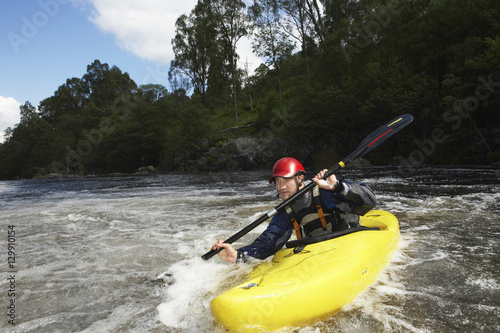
<point>9,114</point>
<point>146,28</point>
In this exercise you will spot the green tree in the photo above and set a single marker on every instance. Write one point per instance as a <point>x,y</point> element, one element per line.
<point>69,99</point>
<point>314,9</point>
<point>232,25</point>
<point>28,112</point>
<point>29,148</point>
<point>179,83</point>
<point>296,22</point>
<point>194,46</point>
<point>270,40</point>
<point>104,85</point>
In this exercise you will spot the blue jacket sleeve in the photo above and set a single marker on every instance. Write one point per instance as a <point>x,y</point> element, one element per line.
<point>271,240</point>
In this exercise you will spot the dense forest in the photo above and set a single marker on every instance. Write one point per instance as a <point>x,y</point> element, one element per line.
<point>334,70</point>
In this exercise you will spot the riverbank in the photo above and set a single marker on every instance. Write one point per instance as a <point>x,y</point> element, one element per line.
<point>252,153</point>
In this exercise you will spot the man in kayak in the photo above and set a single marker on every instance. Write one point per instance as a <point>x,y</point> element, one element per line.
<point>332,205</point>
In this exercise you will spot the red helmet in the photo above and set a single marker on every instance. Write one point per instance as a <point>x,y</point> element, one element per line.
<point>287,167</point>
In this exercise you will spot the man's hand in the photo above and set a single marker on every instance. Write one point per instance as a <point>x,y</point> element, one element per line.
<point>228,253</point>
<point>328,184</point>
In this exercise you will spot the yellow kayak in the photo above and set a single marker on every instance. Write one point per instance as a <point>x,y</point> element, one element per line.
<point>304,285</point>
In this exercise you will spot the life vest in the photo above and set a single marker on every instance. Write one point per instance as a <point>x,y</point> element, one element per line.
<point>310,217</point>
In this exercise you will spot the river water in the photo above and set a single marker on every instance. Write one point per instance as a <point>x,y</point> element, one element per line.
<point>123,254</point>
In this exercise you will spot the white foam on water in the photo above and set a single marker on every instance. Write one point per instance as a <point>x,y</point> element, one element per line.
<point>484,283</point>
<point>419,228</point>
<point>193,283</point>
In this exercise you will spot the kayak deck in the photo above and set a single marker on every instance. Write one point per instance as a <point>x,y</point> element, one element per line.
<point>298,289</point>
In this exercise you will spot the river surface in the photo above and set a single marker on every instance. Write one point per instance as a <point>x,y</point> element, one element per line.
<point>123,254</point>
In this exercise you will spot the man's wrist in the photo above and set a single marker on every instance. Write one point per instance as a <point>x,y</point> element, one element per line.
<point>337,187</point>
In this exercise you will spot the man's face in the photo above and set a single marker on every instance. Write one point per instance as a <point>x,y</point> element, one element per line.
<point>288,186</point>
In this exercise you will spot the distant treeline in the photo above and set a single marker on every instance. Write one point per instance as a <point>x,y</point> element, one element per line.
<point>337,69</point>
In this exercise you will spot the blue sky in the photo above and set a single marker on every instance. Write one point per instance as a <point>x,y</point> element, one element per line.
<point>45,42</point>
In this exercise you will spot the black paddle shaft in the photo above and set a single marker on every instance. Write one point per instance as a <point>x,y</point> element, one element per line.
<point>369,143</point>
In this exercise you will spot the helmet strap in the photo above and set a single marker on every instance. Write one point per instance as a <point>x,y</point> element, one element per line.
<point>299,182</point>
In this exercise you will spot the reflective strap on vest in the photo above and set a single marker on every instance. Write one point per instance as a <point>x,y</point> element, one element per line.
<point>317,201</point>
<point>296,225</point>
